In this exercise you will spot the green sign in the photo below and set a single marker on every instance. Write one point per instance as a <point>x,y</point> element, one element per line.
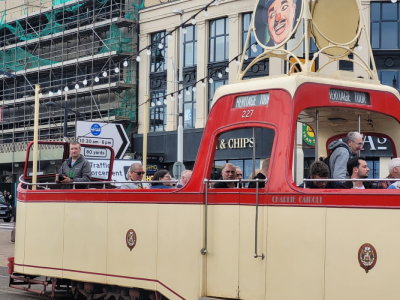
<point>308,135</point>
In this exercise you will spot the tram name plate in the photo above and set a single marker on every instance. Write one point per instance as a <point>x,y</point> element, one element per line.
<point>349,96</point>
<point>251,100</point>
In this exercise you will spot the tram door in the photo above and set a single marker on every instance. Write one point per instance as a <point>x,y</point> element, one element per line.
<point>232,270</point>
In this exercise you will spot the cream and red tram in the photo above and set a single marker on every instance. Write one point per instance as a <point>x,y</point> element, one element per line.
<point>197,242</point>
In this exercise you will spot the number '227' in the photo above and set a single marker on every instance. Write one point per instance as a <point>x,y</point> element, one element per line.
<point>247,113</point>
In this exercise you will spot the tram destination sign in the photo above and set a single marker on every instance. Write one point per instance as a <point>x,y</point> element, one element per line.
<point>251,100</point>
<point>349,96</point>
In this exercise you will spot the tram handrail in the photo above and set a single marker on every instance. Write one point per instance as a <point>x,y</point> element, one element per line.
<point>204,250</point>
<point>47,185</point>
<point>256,255</point>
<point>305,180</point>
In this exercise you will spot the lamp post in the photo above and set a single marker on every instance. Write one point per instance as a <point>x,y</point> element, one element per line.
<point>179,132</point>
<point>66,109</point>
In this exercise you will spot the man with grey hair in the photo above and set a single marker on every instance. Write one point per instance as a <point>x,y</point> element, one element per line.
<point>185,176</point>
<point>342,152</point>
<point>135,174</point>
<point>228,173</point>
<point>394,173</point>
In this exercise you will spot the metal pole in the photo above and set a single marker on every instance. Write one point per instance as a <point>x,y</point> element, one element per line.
<point>65,116</point>
<point>180,102</point>
<point>145,132</point>
<point>35,137</point>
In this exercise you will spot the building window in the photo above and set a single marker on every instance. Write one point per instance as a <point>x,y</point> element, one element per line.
<point>189,107</point>
<point>189,76</point>
<point>219,40</point>
<point>385,25</point>
<point>158,59</point>
<point>246,20</point>
<point>218,56</point>
<point>190,46</point>
<point>157,111</point>
<point>262,67</point>
<point>389,77</point>
<point>158,78</point>
<point>212,88</point>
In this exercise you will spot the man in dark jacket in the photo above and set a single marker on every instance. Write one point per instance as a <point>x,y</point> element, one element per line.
<point>76,168</point>
<point>343,151</point>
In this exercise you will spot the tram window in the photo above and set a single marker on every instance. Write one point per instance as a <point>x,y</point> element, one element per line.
<point>49,159</point>
<point>245,148</point>
<point>381,137</point>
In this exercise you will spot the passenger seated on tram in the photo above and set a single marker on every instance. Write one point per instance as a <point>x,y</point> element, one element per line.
<point>228,173</point>
<point>394,172</point>
<point>185,177</point>
<point>358,168</point>
<point>318,170</point>
<point>262,175</point>
<point>395,185</point>
<point>135,173</point>
<point>163,176</point>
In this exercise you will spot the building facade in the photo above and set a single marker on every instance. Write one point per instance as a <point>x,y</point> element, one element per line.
<point>79,52</point>
<point>213,40</point>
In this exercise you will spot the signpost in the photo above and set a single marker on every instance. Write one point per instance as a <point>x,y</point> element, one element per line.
<point>108,134</point>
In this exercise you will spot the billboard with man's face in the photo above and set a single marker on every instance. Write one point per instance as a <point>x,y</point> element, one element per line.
<point>275,21</point>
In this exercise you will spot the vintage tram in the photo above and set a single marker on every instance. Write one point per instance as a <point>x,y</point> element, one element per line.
<point>281,241</point>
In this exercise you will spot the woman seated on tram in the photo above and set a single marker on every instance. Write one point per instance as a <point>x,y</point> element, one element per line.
<point>164,178</point>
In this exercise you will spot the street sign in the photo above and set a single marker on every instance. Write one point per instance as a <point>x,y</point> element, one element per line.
<point>105,134</point>
<point>177,169</point>
<point>100,168</point>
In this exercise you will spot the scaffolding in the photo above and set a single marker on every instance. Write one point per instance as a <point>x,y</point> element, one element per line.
<point>75,50</point>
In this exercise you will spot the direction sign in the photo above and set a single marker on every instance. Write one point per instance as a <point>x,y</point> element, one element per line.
<point>105,134</point>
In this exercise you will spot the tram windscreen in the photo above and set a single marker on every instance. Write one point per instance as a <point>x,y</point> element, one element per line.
<point>245,148</point>
<point>50,158</point>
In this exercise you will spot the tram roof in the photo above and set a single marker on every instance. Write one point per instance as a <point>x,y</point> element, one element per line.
<point>292,82</point>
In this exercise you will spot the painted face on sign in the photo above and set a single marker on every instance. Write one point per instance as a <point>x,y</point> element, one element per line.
<point>281,15</point>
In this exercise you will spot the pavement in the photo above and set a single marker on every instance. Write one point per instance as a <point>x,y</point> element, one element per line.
<point>6,246</point>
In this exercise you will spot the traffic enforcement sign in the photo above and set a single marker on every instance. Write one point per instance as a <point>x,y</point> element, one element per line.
<point>105,134</point>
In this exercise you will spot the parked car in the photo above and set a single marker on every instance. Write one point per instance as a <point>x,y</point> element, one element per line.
<point>5,209</point>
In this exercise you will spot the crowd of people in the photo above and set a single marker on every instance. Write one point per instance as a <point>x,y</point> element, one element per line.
<point>345,163</point>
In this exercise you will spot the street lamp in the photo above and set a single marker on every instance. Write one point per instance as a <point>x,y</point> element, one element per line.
<point>180,102</point>
<point>66,109</point>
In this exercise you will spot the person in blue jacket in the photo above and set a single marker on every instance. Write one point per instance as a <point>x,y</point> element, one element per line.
<point>164,180</point>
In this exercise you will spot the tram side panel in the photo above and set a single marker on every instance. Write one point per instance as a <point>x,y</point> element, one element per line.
<point>252,269</point>
<point>295,253</point>
<point>39,238</point>
<point>179,241</point>
<point>347,230</point>
<point>222,269</point>
<point>166,254</point>
<point>85,243</point>
<point>132,244</point>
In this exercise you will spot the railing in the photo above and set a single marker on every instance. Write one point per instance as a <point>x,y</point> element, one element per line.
<point>95,184</point>
<point>337,180</point>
